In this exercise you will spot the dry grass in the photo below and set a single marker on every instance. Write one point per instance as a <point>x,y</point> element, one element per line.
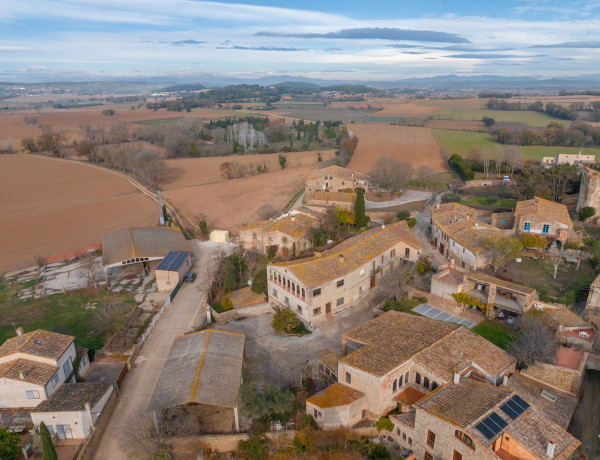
<point>456,124</point>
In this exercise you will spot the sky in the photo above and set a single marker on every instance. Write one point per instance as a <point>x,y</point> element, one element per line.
<point>377,40</point>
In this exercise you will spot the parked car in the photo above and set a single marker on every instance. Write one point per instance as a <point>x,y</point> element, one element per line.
<point>190,277</point>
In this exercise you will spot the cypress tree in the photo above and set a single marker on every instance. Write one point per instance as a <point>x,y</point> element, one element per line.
<point>48,451</point>
<point>359,209</point>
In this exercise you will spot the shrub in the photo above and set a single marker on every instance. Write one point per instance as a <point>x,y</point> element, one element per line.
<point>450,197</point>
<point>570,244</point>
<point>423,266</point>
<point>586,212</point>
<point>384,423</point>
<point>259,281</point>
<point>569,298</point>
<point>487,121</point>
<point>285,321</point>
<point>255,448</point>
<point>226,304</point>
<point>411,222</point>
<point>403,214</point>
<point>491,199</point>
<point>9,445</point>
<point>203,227</point>
<point>373,451</point>
<point>462,168</point>
<point>530,240</point>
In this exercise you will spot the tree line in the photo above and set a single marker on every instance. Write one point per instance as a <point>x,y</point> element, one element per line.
<point>578,134</point>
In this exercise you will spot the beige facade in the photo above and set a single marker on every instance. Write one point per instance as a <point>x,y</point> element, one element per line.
<point>335,199</point>
<point>319,286</point>
<point>338,405</point>
<point>219,236</point>
<point>172,270</point>
<point>337,179</point>
<point>567,158</point>
<point>589,190</point>
<point>592,306</point>
<point>543,217</point>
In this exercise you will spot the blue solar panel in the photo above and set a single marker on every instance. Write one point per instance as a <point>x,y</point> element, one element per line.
<point>491,425</point>
<point>514,407</point>
<point>173,261</point>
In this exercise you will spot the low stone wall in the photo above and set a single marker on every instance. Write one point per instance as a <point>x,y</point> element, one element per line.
<point>436,301</point>
<point>485,183</point>
<point>251,310</point>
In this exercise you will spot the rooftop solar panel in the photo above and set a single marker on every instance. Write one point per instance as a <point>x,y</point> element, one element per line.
<point>173,261</point>
<point>491,425</point>
<point>514,407</point>
<point>489,434</point>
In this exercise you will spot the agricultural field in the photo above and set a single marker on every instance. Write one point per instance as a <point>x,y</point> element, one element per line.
<point>456,124</point>
<point>53,206</point>
<point>195,186</point>
<point>461,142</point>
<point>528,117</point>
<point>408,144</point>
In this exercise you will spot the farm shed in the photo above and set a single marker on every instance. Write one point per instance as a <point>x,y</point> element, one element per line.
<point>172,269</point>
<point>202,374</point>
<point>219,236</point>
<point>138,249</point>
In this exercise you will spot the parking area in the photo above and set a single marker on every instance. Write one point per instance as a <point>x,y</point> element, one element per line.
<point>435,313</point>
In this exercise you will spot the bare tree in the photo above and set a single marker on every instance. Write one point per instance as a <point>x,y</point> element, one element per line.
<point>501,250</point>
<point>91,271</point>
<point>513,158</point>
<point>424,174</point>
<point>297,368</point>
<point>112,317</point>
<point>557,262</point>
<point>534,340</point>
<point>266,211</point>
<point>391,174</point>
<point>486,155</point>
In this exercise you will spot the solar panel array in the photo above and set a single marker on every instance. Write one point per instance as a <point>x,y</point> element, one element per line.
<point>514,407</point>
<point>173,261</point>
<point>491,425</point>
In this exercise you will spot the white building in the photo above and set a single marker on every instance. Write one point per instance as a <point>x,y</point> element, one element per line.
<point>568,158</point>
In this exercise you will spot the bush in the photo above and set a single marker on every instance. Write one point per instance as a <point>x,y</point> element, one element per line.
<point>487,121</point>
<point>259,282</point>
<point>411,222</point>
<point>423,266</point>
<point>570,244</point>
<point>9,445</point>
<point>569,298</point>
<point>462,168</point>
<point>586,212</point>
<point>226,304</point>
<point>384,423</point>
<point>450,197</point>
<point>255,448</point>
<point>374,451</point>
<point>403,214</point>
<point>491,199</point>
<point>285,321</point>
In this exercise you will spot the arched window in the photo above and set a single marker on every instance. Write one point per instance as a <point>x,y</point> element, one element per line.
<point>426,382</point>
<point>395,386</point>
<point>406,378</point>
<point>434,385</point>
<point>418,378</point>
<point>401,379</point>
<point>464,438</point>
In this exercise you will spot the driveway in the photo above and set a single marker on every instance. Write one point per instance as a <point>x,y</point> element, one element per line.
<point>186,312</point>
<point>408,196</point>
<point>421,231</point>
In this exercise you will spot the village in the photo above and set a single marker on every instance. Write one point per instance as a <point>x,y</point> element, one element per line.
<point>328,328</point>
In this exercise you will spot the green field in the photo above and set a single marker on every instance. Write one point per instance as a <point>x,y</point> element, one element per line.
<point>397,120</point>
<point>534,119</point>
<point>481,201</point>
<point>461,142</point>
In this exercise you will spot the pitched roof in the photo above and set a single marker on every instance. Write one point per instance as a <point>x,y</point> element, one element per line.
<point>173,261</point>
<point>33,371</point>
<point>487,279</point>
<point>335,395</point>
<point>71,397</point>
<point>343,173</point>
<point>45,344</point>
<point>294,225</point>
<point>462,224</point>
<point>208,367</point>
<point>245,296</point>
<point>554,376</point>
<point>357,251</point>
<point>253,225</point>
<point>566,317</point>
<point>546,208</point>
<point>134,242</point>
<point>561,410</point>
<point>409,334</point>
<point>341,197</point>
<point>442,357</point>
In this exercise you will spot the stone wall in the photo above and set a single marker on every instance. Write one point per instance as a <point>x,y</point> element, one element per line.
<point>87,450</point>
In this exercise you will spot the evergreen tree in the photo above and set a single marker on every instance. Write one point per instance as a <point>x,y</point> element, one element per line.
<point>48,451</point>
<point>294,250</point>
<point>359,208</point>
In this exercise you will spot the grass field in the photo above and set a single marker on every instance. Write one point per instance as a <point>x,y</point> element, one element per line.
<point>63,313</point>
<point>495,331</point>
<point>481,201</point>
<point>461,142</point>
<point>399,120</point>
<point>533,119</point>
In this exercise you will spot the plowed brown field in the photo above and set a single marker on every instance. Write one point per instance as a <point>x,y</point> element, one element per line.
<point>51,206</point>
<point>408,144</point>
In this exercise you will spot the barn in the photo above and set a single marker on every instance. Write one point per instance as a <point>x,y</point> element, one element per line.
<point>172,269</point>
<point>138,250</point>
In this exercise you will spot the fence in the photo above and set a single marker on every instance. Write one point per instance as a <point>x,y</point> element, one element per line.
<point>146,333</point>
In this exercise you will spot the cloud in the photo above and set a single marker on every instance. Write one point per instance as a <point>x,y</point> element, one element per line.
<point>187,42</point>
<point>414,52</point>
<point>490,56</point>
<point>375,33</point>
<point>590,44</point>
<point>258,48</point>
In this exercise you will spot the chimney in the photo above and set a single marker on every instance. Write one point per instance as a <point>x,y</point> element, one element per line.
<point>22,375</point>
<point>293,218</point>
<point>505,379</point>
<point>437,206</point>
<point>341,257</point>
<point>19,332</point>
<point>382,226</point>
<point>468,215</point>
<point>456,376</point>
<point>550,449</point>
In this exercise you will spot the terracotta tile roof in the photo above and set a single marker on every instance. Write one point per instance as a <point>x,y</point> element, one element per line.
<point>442,357</point>
<point>294,226</point>
<point>531,389</point>
<point>245,296</point>
<point>487,279</point>
<point>410,395</point>
<point>208,367</point>
<point>566,317</point>
<point>555,211</point>
<point>335,395</point>
<point>71,397</point>
<point>409,334</point>
<point>329,358</point>
<point>357,251</point>
<point>341,197</point>
<point>33,371</point>
<point>461,223</point>
<point>45,344</point>
<point>554,376</point>
<point>407,419</point>
<point>253,225</point>
<point>338,171</point>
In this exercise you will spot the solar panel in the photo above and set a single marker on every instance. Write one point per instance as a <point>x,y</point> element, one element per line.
<point>514,407</point>
<point>491,425</point>
<point>489,434</point>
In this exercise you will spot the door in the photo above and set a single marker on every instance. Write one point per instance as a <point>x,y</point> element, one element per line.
<point>64,431</point>
<point>442,249</point>
<point>373,280</point>
<point>328,307</point>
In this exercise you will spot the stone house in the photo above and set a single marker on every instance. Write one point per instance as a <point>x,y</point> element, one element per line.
<point>544,218</point>
<point>571,329</point>
<point>568,158</point>
<point>337,179</point>
<point>470,419</point>
<point>280,234</point>
<point>335,199</point>
<point>425,355</point>
<point>72,412</point>
<point>589,190</point>
<point>591,313</point>
<point>315,288</point>
<point>34,365</point>
<point>458,232</point>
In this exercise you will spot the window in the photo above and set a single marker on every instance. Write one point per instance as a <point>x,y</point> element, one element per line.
<point>33,394</point>
<point>464,438</point>
<point>299,309</point>
<point>398,432</point>
<point>50,429</point>
<point>406,378</point>
<point>362,272</point>
<point>434,385</point>
<point>418,378</point>
<point>302,292</point>
<point>395,386</point>
<point>427,456</point>
<point>456,456</point>
<point>410,441</point>
<point>527,226</point>
<point>404,436</point>
<point>287,300</point>
<point>274,293</point>
<point>284,239</point>
<point>348,377</point>
<point>84,360</point>
<point>382,259</point>
<point>317,292</point>
<point>430,438</point>
<point>340,283</point>
<point>55,380</point>
<point>426,382</point>
<point>401,379</point>
<point>549,396</point>
<point>317,311</point>
<point>254,236</point>
<point>315,413</point>
<point>392,253</point>
<point>339,301</point>
<point>545,228</point>
<point>68,367</point>
<point>407,253</point>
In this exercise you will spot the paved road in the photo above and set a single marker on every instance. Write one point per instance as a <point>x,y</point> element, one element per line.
<point>408,196</point>
<point>421,231</point>
<point>187,311</point>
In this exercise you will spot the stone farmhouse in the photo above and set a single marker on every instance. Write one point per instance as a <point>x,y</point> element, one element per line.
<point>543,217</point>
<point>318,287</point>
<point>568,158</point>
<point>592,307</point>
<point>589,190</point>
<point>337,179</point>
<point>458,232</point>
<point>281,234</point>
<point>375,377</point>
<point>34,365</point>
<point>470,419</point>
<point>326,199</point>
